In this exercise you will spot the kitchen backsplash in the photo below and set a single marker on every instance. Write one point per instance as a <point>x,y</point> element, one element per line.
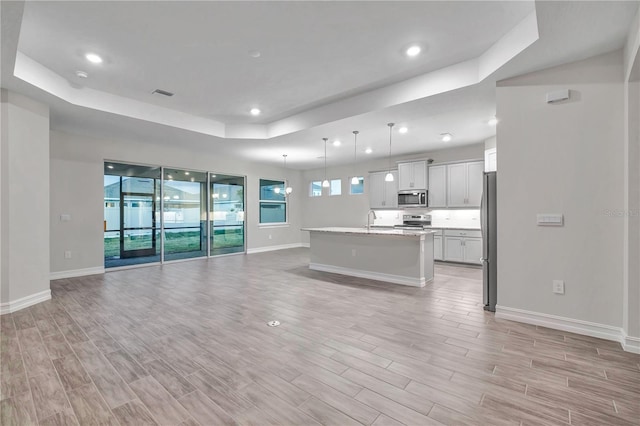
<point>444,218</point>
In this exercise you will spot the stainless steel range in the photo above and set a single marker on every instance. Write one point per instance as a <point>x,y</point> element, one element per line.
<point>415,221</point>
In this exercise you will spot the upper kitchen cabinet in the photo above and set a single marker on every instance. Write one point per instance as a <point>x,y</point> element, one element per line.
<point>412,175</point>
<point>383,194</point>
<point>464,184</point>
<point>438,186</point>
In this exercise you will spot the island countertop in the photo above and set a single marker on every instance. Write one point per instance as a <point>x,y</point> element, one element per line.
<point>373,231</point>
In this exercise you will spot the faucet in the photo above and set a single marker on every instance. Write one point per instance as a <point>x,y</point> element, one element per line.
<point>369,218</point>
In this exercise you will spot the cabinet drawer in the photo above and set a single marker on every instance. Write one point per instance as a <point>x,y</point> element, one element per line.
<point>467,233</point>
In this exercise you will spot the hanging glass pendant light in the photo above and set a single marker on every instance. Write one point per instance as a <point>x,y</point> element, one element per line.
<point>389,176</point>
<point>287,189</point>
<point>325,182</point>
<point>354,179</point>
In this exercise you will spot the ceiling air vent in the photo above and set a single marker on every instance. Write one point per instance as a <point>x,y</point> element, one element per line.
<point>161,92</point>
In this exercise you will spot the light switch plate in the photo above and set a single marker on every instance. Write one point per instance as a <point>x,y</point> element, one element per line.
<point>65,217</point>
<point>550,219</point>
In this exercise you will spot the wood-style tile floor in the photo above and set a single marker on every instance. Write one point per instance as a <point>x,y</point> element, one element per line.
<point>188,344</point>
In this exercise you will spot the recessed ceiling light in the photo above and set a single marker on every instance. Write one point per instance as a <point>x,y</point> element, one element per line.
<point>255,53</point>
<point>169,176</point>
<point>446,137</point>
<point>368,151</point>
<point>492,122</point>
<point>186,173</point>
<point>255,111</point>
<point>109,166</point>
<point>337,143</point>
<point>212,175</point>
<point>403,130</point>
<point>413,50</point>
<point>93,58</point>
<point>193,179</point>
<point>81,74</point>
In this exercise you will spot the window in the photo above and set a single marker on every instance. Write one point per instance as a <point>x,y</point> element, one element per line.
<point>316,189</point>
<point>358,188</point>
<point>273,203</point>
<point>335,187</point>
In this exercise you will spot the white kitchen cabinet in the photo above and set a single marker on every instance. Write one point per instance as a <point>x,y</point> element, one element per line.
<point>464,184</point>
<point>382,194</point>
<point>412,175</point>
<point>454,249</point>
<point>438,186</point>
<point>490,160</point>
<point>463,246</point>
<point>437,247</point>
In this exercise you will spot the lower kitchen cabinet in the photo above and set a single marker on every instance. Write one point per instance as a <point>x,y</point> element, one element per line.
<point>462,246</point>
<point>437,247</point>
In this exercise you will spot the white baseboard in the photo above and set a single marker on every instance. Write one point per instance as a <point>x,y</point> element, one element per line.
<point>396,279</point>
<point>76,273</point>
<point>602,331</point>
<point>24,302</point>
<point>272,248</point>
<point>630,343</point>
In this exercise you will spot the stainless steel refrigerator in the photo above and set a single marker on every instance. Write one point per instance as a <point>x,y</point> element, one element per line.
<point>488,221</point>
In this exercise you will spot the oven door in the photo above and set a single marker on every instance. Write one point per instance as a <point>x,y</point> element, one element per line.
<point>412,199</point>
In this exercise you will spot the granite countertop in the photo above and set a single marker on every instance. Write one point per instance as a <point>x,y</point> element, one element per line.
<point>372,231</point>
<point>466,228</point>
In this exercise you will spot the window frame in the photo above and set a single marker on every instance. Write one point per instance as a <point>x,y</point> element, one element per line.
<point>331,187</point>
<point>284,202</point>
<point>319,182</point>
<point>351,185</point>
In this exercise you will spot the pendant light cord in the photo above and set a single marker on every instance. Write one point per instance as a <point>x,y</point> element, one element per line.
<point>390,131</point>
<point>325,157</point>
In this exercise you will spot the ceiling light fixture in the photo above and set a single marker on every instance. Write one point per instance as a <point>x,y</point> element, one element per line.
<point>81,74</point>
<point>413,51</point>
<point>287,189</point>
<point>354,179</point>
<point>93,58</point>
<point>389,176</point>
<point>403,130</point>
<point>255,111</point>
<point>255,53</point>
<point>337,142</point>
<point>492,121</point>
<point>325,182</point>
<point>186,173</point>
<point>368,151</point>
<point>446,137</point>
<point>109,166</point>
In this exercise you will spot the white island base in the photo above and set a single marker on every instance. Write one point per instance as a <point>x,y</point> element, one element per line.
<point>397,256</point>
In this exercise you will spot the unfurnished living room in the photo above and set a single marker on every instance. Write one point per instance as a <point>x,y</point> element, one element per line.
<point>320,212</point>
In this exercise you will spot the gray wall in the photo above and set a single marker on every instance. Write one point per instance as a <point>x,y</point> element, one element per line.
<point>77,189</point>
<point>564,158</point>
<point>631,307</point>
<point>24,220</point>
<point>351,210</point>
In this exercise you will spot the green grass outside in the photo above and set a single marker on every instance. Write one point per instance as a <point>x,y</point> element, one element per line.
<point>176,242</point>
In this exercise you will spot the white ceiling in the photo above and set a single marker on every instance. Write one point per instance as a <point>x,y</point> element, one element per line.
<point>325,69</point>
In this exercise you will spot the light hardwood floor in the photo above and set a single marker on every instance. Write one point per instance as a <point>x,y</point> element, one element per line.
<point>188,344</point>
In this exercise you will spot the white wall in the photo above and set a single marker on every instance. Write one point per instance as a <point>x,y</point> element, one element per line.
<point>77,189</point>
<point>563,158</point>
<point>631,272</point>
<point>24,224</point>
<point>351,210</point>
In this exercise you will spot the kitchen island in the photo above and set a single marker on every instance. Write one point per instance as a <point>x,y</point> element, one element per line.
<point>394,255</point>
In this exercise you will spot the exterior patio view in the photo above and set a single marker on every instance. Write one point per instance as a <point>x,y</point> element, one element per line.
<point>153,214</point>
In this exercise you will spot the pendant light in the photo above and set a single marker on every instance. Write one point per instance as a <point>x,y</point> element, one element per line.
<point>389,176</point>
<point>354,179</point>
<point>287,189</point>
<point>325,182</point>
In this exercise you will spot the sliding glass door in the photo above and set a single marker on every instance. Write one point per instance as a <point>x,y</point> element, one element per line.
<point>131,201</point>
<point>226,212</point>
<point>154,214</point>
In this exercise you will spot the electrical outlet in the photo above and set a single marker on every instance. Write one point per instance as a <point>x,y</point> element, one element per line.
<point>269,236</point>
<point>353,252</point>
<point>558,286</point>
<point>67,254</point>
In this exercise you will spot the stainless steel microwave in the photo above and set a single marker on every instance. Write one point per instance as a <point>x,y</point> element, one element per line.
<point>412,198</point>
